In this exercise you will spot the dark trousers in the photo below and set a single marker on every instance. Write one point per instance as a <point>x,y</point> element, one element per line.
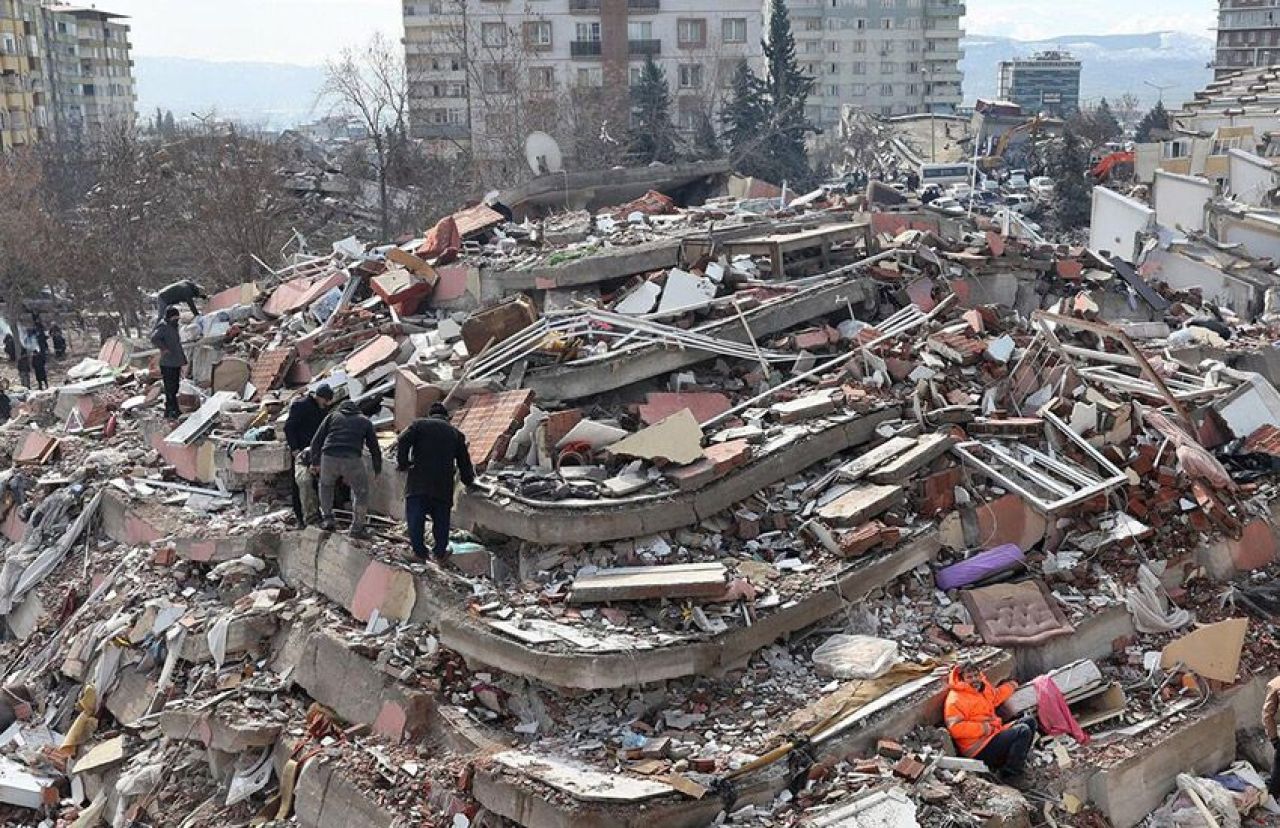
<point>1008,750</point>
<point>1273,784</point>
<point>417,508</point>
<point>170,377</point>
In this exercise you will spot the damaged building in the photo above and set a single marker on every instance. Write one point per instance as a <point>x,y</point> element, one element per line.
<point>754,476</point>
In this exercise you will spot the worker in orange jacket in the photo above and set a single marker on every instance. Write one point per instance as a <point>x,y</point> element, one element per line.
<point>976,727</point>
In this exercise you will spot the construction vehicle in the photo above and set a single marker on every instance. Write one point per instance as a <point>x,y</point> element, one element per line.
<point>1114,165</point>
<point>996,159</point>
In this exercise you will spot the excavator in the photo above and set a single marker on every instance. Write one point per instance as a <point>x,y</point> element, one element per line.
<point>996,159</point>
<point>1115,165</point>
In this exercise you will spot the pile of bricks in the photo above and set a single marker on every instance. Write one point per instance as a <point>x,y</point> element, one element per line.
<point>488,421</point>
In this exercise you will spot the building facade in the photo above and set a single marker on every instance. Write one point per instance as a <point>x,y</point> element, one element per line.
<point>485,73</point>
<point>887,57</point>
<point>65,72</point>
<point>1248,35</point>
<point>1045,82</point>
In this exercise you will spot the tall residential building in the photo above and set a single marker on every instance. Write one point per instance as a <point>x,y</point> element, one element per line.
<point>1248,35</point>
<point>24,116</point>
<point>65,72</point>
<point>888,57</point>
<point>90,72</point>
<point>1045,82</point>
<point>485,73</point>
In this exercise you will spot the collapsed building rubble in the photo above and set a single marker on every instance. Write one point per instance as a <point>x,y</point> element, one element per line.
<point>752,481</point>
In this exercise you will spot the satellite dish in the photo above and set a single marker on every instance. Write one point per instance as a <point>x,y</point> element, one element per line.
<point>543,153</point>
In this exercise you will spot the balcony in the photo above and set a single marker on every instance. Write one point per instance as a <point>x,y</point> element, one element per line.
<point>584,48</point>
<point>643,5</point>
<point>640,48</point>
<point>584,6</point>
<point>942,8</point>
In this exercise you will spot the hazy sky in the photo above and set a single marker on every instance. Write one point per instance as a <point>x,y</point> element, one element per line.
<point>308,31</point>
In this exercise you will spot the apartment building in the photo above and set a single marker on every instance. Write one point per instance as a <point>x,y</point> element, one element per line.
<point>1248,35</point>
<point>887,57</point>
<point>24,115</point>
<point>483,73</point>
<point>65,72</point>
<point>1045,82</point>
<point>90,72</point>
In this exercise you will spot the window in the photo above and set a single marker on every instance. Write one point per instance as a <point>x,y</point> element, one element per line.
<point>493,34</point>
<point>859,46</point>
<point>691,76</point>
<point>913,45</point>
<point>888,68</point>
<point>542,78</point>
<point>634,75</point>
<point>588,32</point>
<point>691,31</point>
<point>886,90</point>
<point>858,90</point>
<point>833,45</point>
<point>537,34</point>
<point>1221,145</point>
<point>833,90</point>
<point>590,76</point>
<point>496,78</point>
<point>886,23</point>
<point>1176,149</point>
<point>859,68</point>
<point>887,4</point>
<point>913,89</point>
<point>639,30</point>
<point>733,30</point>
<point>813,24</point>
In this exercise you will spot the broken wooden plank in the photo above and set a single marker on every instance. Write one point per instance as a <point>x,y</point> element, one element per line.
<point>198,423</point>
<point>861,504</point>
<point>861,466</point>
<point>641,583</point>
<point>926,450</point>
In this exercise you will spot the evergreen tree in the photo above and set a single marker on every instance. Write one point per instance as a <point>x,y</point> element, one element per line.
<point>158,125</point>
<point>1067,165</point>
<point>651,135</point>
<point>1156,119</point>
<point>743,119</point>
<point>170,128</point>
<point>787,89</point>
<point>706,144</point>
<point>1105,124</point>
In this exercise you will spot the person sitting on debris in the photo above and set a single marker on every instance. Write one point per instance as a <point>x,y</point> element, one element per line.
<point>300,427</point>
<point>1270,706</point>
<point>429,450</point>
<point>6,404</point>
<point>165,336</point>
<point>184,291</point>
<point>337,448</point>
<point>976,727</point>
<point>59,340</point>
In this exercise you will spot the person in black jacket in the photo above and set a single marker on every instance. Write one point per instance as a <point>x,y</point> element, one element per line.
<point>59,340</point>
<point>337,448</point>
<point>300,427</point>
<point>40,365</point>
<point>179,293</point>
<point>165,336</point>
<point>429,450</point>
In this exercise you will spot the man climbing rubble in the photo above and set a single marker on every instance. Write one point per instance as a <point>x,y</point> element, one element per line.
<point>337,449</point>
<point>429,450</point>
<point>165,336</point>
<point>181,292</point>
<point>300,427</point>
<point>976,727</point>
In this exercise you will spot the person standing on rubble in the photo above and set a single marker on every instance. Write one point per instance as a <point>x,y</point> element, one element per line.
<point>337,448</point>
<point>429,450</point>
<point>165,336</point>
<point>181,292</point>
<point>1270,705</point>
<point>300,427</point>
<point>24,366</point>
<point>59,340</point>
<point>976,727</point>
<point>40,365</point>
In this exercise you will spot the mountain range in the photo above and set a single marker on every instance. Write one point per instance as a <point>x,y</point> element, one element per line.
<point>277,95</point>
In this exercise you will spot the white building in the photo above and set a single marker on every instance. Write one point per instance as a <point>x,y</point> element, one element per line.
<point>484,73</point>
<point>889,57</point>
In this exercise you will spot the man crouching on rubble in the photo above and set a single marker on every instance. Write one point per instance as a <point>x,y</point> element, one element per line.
<point>976,727</point>
<point>337,447</point>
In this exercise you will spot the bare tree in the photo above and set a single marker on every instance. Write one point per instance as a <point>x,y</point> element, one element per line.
<point>370,85</point>
<point>30,235</point>
<point>1128,108</point>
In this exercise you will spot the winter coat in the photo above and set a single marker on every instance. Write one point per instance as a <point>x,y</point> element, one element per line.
<point>344,433</point>
<point>971,715</point>
<point>429,449</point>
<point>305,417</point>
<point>165,337</point>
